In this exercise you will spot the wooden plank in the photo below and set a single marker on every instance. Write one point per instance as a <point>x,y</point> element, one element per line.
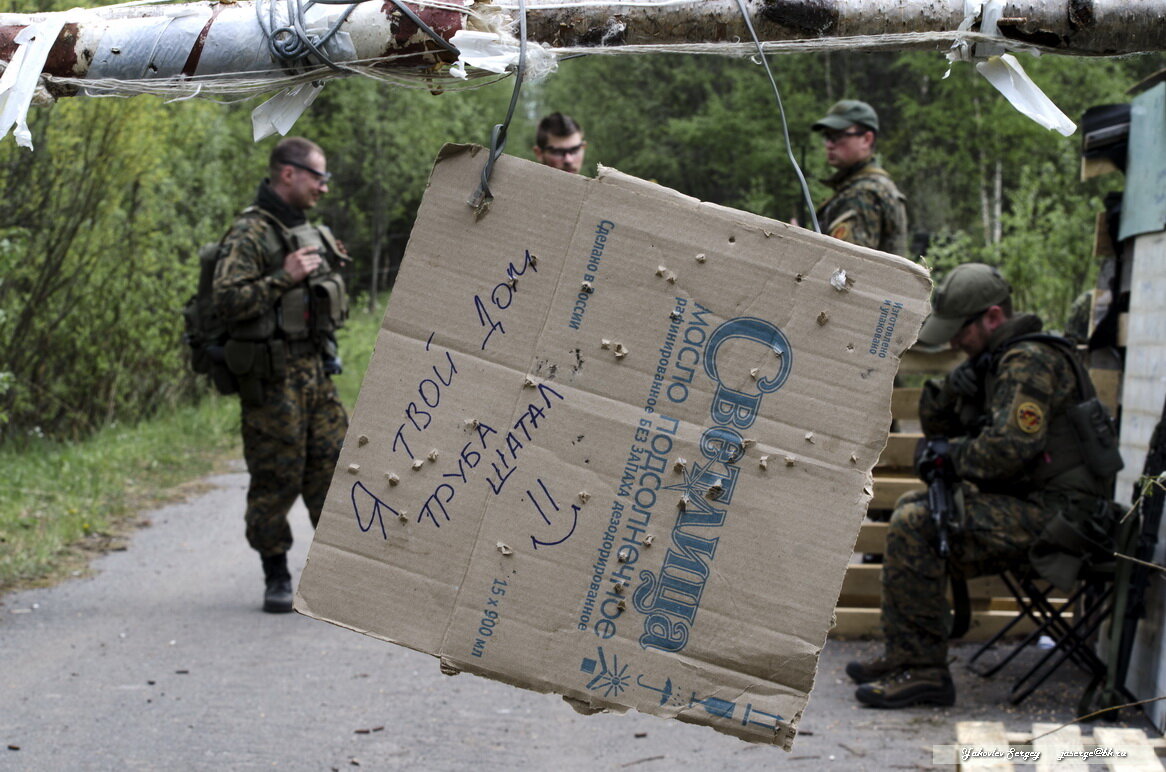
<point>1054,747</point>
<point>864,580</point>
<point>888,489</point>
<point>1095,167</point>
<point>854,622</point>
<point>983,737</point>
<point>915,360</point>
<point>1107,383</point>
<point>871,537</point>
<point>905,403</point>
<point>1140,754</point>
<point>900,451</point>
<point>1102,243</point>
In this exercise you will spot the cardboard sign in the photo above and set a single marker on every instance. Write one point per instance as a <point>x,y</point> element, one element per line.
<point>615,443</point>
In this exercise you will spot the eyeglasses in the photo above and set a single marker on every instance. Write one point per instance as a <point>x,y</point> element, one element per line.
<point>972,319</point>
<point>834,137</point>
<point>563,152</point>
<point>321,176</point>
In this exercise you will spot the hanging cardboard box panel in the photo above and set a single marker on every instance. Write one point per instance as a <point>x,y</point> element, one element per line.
<point>615,443</point>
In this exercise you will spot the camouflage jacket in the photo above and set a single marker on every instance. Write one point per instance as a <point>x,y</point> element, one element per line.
<point>1001,439</point>
<point>866,209</point>
<point>249,277</point>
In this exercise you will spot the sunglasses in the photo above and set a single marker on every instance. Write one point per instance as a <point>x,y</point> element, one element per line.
<point>563,152</point>
<point>837,136</point>
<point>321,176</point>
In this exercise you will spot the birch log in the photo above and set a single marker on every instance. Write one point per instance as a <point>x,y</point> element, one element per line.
<point>218,38</point>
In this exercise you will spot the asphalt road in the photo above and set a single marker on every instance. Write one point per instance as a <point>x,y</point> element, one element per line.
<point>162,660</point>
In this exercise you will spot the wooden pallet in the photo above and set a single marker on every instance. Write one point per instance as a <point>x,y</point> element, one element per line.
<point>1064,749</point>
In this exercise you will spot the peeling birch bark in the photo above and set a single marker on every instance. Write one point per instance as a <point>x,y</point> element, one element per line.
<point>219,38</point>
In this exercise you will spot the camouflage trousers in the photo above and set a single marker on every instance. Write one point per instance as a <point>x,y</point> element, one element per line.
<point>290,442</point>
<point>995,534</point>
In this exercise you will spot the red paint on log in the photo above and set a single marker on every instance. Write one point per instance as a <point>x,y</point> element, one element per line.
<point>62,58</point>
<point>200,43</point>
<point>442,21</point>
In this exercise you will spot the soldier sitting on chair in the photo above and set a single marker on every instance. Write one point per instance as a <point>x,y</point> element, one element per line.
<point>1004,423</point>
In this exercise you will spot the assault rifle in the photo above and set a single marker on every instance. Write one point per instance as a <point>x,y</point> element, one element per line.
<point>934,465</point>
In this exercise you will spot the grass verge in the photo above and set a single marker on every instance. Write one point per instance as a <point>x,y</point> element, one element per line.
<point>62,502</point>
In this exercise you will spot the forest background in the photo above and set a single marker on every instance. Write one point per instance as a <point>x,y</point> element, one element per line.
<point>101,224</point>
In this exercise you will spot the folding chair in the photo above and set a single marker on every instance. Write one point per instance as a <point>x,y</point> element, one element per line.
<point>1071,624</point>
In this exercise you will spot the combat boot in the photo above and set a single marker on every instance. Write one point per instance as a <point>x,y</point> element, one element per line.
<point>277,599</point>
<point>873,670</point>
<point>909,686</point>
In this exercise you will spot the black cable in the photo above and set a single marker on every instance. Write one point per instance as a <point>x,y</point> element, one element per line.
<point>292,43</point>
<point>482,197</point>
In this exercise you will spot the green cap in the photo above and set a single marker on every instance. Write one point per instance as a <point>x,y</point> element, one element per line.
<point>966,291</point>
<point>847,112</point>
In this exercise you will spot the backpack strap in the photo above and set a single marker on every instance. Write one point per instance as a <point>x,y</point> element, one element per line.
<point>283,234</point>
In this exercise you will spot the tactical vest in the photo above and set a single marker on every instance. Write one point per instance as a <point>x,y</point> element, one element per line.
<point>1081,450</point>
<point>831,216</point>
<point>301,322</point>
<point>312,310</point>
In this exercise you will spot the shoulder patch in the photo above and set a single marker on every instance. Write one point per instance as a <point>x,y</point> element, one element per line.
<point>842,231</point>
<point>1030,417</point>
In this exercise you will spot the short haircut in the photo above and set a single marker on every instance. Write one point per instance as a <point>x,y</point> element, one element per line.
<point>556,125</point>
<point>292,150</point>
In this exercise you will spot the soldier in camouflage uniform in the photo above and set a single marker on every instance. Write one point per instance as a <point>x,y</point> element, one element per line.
<point>275,287</point>
<point>1004,410</point>
<point>866,207</point>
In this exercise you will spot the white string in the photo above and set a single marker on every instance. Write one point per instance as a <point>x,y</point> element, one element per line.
<point>249,84</point>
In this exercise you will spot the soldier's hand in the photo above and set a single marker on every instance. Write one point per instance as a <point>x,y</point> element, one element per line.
<point>302,262</point>
<point>964,380</point>
<point>932,456</point>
